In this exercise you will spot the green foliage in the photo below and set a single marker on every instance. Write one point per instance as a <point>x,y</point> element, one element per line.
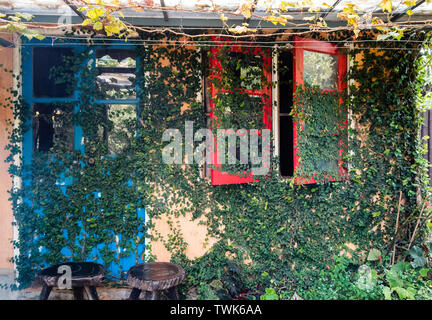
<point>321,125</point>
<point>346,280</point>
<point>291,233</point>
<point>18,22</point>
<point>342,281</point>
<point>270,294</point>
<point>206,292</point>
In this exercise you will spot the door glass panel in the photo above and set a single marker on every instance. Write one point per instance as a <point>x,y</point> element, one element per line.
<point>320,70</point>
<point>116,77</point>
<point>52,126</point>
<point>51,76</point>
<point>121,127</point>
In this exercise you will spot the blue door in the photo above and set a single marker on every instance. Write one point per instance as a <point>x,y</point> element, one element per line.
<point>54,74</point>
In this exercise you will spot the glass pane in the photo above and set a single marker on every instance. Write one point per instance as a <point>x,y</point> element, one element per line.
<point>320,70</point>
<point>116,74</point>
<point>244,71</point>
<point>121,127</point>
<point>52,126</point>
<point>329,166</point>
<point>51,76</point>
<point>239,111</point>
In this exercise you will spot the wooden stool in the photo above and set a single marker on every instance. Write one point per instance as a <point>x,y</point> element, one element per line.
<point>85,276</point>
<point>154,277</point>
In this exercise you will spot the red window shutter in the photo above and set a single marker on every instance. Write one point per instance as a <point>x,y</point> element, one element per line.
<point>218,176</point>
<point>300,45</point>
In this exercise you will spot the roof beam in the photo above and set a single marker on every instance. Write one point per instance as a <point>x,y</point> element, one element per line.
<point>325,14</point>
<point>75,9</point>
<point>401,14</point>
<point>164,12</point>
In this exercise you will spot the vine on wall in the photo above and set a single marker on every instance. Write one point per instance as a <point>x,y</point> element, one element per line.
<point>271,230</point>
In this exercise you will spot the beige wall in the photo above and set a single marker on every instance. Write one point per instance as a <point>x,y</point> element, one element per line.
<point>6,216</point>
<point>193,233</point>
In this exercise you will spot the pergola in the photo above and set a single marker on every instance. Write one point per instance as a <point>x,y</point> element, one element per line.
<point>206,13</point>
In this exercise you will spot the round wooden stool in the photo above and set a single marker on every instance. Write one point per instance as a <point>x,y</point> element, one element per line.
<point>154,277</point>
<point>85,276</point>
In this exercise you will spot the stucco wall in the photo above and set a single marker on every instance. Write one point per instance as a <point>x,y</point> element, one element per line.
<point>6,216</point>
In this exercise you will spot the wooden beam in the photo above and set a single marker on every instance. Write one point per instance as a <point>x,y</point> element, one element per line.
<point>401,14</point>
<point>325,14</point>
<point>75,9</point>
<point>164,12</point>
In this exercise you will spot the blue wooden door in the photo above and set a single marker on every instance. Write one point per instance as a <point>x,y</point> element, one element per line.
<point>114,69</point>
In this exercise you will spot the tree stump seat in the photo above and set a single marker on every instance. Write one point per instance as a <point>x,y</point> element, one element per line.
<point>153,278</point>
<point>85,276</point>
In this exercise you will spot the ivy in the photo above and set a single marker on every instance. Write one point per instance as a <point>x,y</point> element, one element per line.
<point>292,233</point>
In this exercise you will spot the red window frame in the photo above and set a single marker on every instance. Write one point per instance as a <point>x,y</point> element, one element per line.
<point>301,44</point>
<point>219,177</point>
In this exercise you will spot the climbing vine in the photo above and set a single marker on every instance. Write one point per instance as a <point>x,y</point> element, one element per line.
<point>84,203</point>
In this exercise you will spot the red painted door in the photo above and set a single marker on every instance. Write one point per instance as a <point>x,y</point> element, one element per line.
<point>308,54</point>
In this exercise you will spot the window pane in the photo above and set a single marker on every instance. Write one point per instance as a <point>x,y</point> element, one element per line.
<point>238,111</point>
<point>116,74</point>
<point>320,69</point>
<point>52,126</point>
<point>120,128</point>
<point>286,146</point>
<point>51,76</point>
<point>243,71</point>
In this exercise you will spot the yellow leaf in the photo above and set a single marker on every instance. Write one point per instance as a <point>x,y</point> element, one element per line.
<point>245,10</point>
<point>98,26</point>
<point>386,5</point>
<point>99,12</point>
<point>92,14</point>
<point>86,22</point>
<point>112,29</point>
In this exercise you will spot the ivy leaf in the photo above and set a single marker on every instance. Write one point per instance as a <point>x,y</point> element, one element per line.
<point>405,293</point>
<point>401,266</point>
<point>270,295</point>
<point>418,257</point>
<point>374,255</point>
<point>387,293</point>
<point>424,272</point>
<point>376,214</point>
<point>393,278</point>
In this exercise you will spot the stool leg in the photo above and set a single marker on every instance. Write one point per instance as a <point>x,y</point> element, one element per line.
<point>92,293</point>
<point>172,293</point>
<point>78,293</point>
<point>45,292</point>
<point>155,295</point>
<point>135,293</point>
<point>148,295</point>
